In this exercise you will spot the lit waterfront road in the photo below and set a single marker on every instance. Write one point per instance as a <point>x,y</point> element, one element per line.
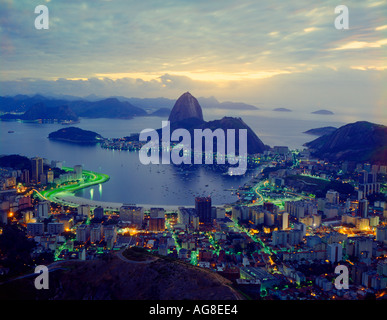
<point>89,179</point>
<point>300,196</point>
<point>261,199</point>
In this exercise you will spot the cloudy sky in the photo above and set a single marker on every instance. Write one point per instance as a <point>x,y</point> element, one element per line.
<point>267,53</point>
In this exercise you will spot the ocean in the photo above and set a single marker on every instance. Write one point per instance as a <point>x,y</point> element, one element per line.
<point>135,183</point>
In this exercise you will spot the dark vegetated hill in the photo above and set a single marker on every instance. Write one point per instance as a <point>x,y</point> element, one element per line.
<point>360,141</point>
<point>114,279</point>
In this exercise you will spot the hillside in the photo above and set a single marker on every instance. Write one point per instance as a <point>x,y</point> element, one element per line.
<point>113,278</point>
<point>254,144</point>
<point>162,112</point>
<point>107,108</point>
<point>15,161</point>
<point>360,141</point>
<point>41,111</point>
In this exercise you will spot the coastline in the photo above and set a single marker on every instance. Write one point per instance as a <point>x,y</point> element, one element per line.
<point>73,200</point>
<point>65,195</point>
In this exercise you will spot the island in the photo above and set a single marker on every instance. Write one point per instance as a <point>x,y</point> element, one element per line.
<point>76,135</point>
<point>282,110</point>
<point>323,112</point>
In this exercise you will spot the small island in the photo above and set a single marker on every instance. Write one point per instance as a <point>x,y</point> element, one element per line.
<point>76,135</point>
<point>323,112</point>
<point>282,110</point>
<point>320,131</point>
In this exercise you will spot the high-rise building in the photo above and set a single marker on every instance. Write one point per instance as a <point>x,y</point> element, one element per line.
<point>286,237</point>
<point>78,171</point>
<point>110,234</point>
<point>98,213</point>
<point>43,178</point>
<point>188,217</point>
<point>157,212</point>
<point>381,233</point>
<point>36,168</point>
<point>203,209</point>
<point>35,228</point>
<point>96,232</point>
<point>43,210</point>
<point>25,177</point>
<point>84,210</point>
<point>334,252</point>
<point>363,247</point>
<point>220,213</point>
<point>126,214</point>
<point>368,183</point>
<point>316,220</point>
<point>50,176</point>
<point>332,196</point>
<point>133,214</point>
<point>363,208</point>
<point>285,220</point>
<point>110,231</point>
<point>27,216</point>
<point>156,224</point>
<point>83,233</point>
<point>55,228</point>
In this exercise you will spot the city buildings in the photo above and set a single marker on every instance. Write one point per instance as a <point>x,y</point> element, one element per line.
<point>36,168</point>
<point>132,214</point>
<point>280,242</point>
<point>203,209</point>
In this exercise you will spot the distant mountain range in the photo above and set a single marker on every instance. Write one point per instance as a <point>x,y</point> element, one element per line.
<point>162,112</point>
<point>48,109</point>
<point>113,107</point>
<point>107,108</point>
<point>360,141</point>
<point>41,111</point>
<point>212,103</point>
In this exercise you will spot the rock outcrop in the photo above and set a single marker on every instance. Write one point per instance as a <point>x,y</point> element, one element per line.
<point>186,107</point>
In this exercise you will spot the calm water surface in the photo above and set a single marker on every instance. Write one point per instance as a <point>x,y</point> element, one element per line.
<point>132,182</point>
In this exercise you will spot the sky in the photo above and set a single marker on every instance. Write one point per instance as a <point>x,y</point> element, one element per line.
<point>267,53</point>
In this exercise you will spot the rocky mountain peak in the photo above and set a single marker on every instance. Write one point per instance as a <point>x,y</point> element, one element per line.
<point>187,106</point>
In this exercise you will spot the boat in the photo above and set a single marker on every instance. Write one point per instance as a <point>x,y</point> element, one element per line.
<point>11,131</point>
